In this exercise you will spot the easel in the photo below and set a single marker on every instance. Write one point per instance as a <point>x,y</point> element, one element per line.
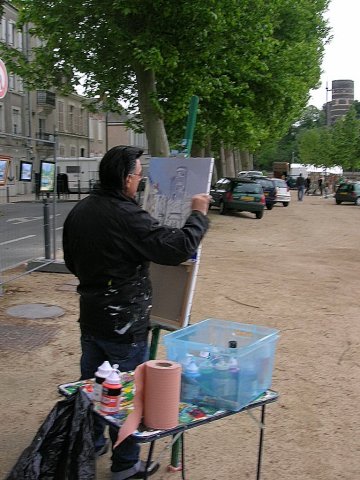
<point>171,313</point>
<point>187,287</point>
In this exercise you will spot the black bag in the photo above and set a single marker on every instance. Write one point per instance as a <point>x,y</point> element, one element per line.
<point>63,448</point>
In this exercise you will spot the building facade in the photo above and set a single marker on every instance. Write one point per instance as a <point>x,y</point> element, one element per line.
<point>43,125</point>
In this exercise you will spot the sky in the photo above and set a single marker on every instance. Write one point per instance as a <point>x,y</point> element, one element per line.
<point>340,61</point>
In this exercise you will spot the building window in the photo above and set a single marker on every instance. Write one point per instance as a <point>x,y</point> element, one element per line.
<point>82,152</point>
<point>92,128</point>
<point>19,84</point>
<point>19,40</point>
<point>12,82</point>
<point>2,118</point>
<point>71,119</point>
<point>72,168</point>
<point>11,33</point>
<point>3,29</point>
<point>72,151</point>
<point>61,151</point>
<point>82,121</point>
<point>41,133</point>
<point>101,130</point>
<point>61,116</point>
<point>16,120</point>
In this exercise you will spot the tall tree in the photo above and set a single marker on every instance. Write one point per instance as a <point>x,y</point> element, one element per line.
<point>251,63</point>
<point>346,134</point>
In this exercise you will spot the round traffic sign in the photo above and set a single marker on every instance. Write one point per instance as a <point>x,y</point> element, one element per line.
<point>3,80</point>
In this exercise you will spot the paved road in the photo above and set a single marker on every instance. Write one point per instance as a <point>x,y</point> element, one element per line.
<point>22,230</point>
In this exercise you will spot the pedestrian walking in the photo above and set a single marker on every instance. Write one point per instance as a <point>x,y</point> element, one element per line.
<point>307,185</point>
<point>320,185</point>
<point>326,190</point>
<point>300,185</point>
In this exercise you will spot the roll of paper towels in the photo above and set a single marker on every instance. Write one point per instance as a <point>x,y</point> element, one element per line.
<point>157,397</point>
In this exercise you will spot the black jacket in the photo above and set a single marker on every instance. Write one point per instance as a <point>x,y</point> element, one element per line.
<point>108,242</point>
<point>300,181</point>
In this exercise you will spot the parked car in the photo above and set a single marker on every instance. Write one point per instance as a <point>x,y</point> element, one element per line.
<point>282,191</point>
<point>238,194</point>
<point>348,192</point>
<point>291,181</point>
<point>268,187</point>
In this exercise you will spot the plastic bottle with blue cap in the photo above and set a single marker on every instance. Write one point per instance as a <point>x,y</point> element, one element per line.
<point>221,379</point>
<point>190,386</point>
<point>233,372</point>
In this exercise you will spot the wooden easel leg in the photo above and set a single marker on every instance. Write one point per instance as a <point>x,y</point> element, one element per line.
<point>155,334</point>
<point>176,464</point>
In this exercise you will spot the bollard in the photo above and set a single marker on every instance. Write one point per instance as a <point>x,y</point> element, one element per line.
<point>7,194</point>
<point>79,191</point>
<point>46,228</point>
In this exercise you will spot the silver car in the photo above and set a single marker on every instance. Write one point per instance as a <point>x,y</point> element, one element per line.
<point>282,194</point>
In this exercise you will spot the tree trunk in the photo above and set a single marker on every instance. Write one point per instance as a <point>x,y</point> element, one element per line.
<point>222,161</point>
<point>153,122</point>
<point>197,151</point>
<point>246,160</point>
<point>229,160</point>
<point>237,161</point>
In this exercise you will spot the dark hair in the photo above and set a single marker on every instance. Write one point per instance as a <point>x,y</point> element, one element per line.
<point>116,165</point>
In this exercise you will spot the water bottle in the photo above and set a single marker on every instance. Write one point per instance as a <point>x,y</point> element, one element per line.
<point>206,371</point>
<point>233,374</point>
<point>101,373</point>
<point>234,379</point>
<point>249,377</point>
<point>111,391</point>
<point>190,386</point>
<point>221,379</point>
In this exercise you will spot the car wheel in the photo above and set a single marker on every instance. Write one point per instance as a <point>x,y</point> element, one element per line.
<point>222,208</point>
<point>259,214</point>
<point>338,202</point>
<point>286,204</point>
<point>357,201</point>
<point>269,206</point>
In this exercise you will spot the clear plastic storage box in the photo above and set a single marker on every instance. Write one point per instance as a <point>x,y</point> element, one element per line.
<point>224,364</point>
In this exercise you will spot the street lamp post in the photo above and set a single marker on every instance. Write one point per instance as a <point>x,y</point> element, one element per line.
<point>328,119</point>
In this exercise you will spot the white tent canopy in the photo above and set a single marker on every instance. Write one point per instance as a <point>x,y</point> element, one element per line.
<point>313,169</point>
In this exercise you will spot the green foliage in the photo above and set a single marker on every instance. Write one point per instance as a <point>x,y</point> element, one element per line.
<point>263,58</point>
<point>252,64</point>
<point>329,146</point>
<point>346,134</point>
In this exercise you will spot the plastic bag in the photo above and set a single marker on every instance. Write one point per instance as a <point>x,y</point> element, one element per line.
<point>63,448</point>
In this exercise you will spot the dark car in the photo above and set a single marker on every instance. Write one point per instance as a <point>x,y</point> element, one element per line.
<point>291,181</point>
<point>268,187</point>
<point>348,192</point>
<point>238,194</point>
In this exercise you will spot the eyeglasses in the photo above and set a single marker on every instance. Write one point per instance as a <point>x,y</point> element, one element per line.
<point>140,175</point>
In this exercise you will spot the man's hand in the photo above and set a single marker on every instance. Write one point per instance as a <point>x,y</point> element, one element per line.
<point>201,202</point>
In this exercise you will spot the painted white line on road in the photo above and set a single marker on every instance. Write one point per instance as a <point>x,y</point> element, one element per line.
<point>17,239</point>
<point>16,221</point>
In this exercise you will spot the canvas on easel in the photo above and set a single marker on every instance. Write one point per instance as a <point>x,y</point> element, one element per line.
<point>172,182</point>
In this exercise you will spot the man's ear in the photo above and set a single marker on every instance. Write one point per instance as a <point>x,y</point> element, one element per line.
<point>127,181</point>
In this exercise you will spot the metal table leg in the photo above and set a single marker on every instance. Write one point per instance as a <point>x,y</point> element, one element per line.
<point>261,441</point>
<point>183,456</point>
<point>149,458</point>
